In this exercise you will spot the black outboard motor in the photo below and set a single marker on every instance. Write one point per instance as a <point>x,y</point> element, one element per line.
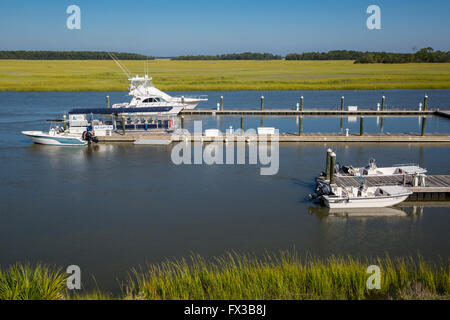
<point>89,137</point>
<point>322,188</point>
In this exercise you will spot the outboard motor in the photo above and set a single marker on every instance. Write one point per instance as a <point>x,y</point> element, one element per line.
<point>322,188</point>
<point>89,137</point>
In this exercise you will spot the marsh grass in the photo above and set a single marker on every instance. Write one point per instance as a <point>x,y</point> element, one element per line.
<point>237,276</point>
<point>103,75</point>
<point>286,276</point>
<point>26,282</point>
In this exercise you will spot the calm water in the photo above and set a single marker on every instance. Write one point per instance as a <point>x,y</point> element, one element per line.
<point>111,207</point>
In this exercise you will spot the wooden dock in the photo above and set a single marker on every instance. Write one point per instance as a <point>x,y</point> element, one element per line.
<point>315,112</point>
<point>288,138</point>
<point>437,187</point>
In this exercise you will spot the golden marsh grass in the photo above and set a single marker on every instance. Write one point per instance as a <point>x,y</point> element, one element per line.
<point>104,75</point>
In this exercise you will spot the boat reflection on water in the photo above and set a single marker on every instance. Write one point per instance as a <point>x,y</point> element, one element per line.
<point>324,212</point>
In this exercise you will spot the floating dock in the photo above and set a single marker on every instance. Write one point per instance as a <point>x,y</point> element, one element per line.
<point>437,187</point>
<point>316,112</point>
<point>285,137</point>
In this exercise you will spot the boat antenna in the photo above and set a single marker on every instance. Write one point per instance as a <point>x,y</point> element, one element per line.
<point>121,66</point>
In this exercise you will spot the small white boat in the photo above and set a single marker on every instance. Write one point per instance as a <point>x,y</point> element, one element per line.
<point>55,138</point>
<point>372,170</point>
<point>371,197</point>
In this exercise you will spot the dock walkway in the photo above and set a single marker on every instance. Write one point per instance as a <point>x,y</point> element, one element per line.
<point>314,112</point>
<point>288,137</point>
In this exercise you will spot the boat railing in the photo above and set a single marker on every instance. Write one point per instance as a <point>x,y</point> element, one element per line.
<point>199,97</point>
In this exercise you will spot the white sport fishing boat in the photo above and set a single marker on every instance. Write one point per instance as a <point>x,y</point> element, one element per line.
<point>371,197</point>
<point>145,95</point>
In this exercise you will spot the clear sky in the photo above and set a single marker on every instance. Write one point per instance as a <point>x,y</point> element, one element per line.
<point>174,27</point>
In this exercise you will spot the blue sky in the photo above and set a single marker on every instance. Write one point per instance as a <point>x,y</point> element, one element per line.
<point>174,27</point>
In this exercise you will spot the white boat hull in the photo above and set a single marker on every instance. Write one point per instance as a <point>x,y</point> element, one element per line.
<point>54,140</point>
<point>361,202</point>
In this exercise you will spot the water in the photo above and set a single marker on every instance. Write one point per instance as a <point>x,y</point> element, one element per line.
<point>111,207</point>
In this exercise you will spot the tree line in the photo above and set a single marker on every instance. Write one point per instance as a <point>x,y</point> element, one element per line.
<point>233,56</point>
<point>70,55</point>
<point>423,55</point>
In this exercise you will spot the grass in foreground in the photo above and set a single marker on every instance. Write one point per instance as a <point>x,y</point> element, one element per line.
<point>104,75</point>
<point>235,276</point>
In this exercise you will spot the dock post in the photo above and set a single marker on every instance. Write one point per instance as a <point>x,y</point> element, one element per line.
<point>123,125</point>
<point>382,125</point>
<point>424,121</point>
<point>301,103</point>
<point>64,122</point>
<point>327,165</point>
<point>298,106</point>
<point>300,126</point>
<point>378,106</point>
<point>262,103</point>
<point>361,126</point>
<point>425,103</point>
<point>332,165</point>
<point>107,101</point>
<point>262,121</point>
<point>242,125</point>
<point>342,124</point>
<point>182,122</point>
<point>342,103</point>
<point>221,103</point>
<point>182,99</point>
<point>383,102</point>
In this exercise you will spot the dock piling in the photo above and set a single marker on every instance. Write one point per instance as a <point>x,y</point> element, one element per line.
<point>182,122</point>
<point>300,126</point>
<point>182,99</point>
<point>123,125</point>
<point>242,125</point>
<point>107,101</point>
<point>342,103</point>
<point>218,106</point>
<point>383,102</point>
<point>424,121</point>
<point>327,164</point>
<point>221,103</point>
<point>298,106</point>
<point>64,122</point>
<point>332,165</point>
<point>301,103</point>
<point>361,126</point>
<point>425,103</point>
<point>262,103</point>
